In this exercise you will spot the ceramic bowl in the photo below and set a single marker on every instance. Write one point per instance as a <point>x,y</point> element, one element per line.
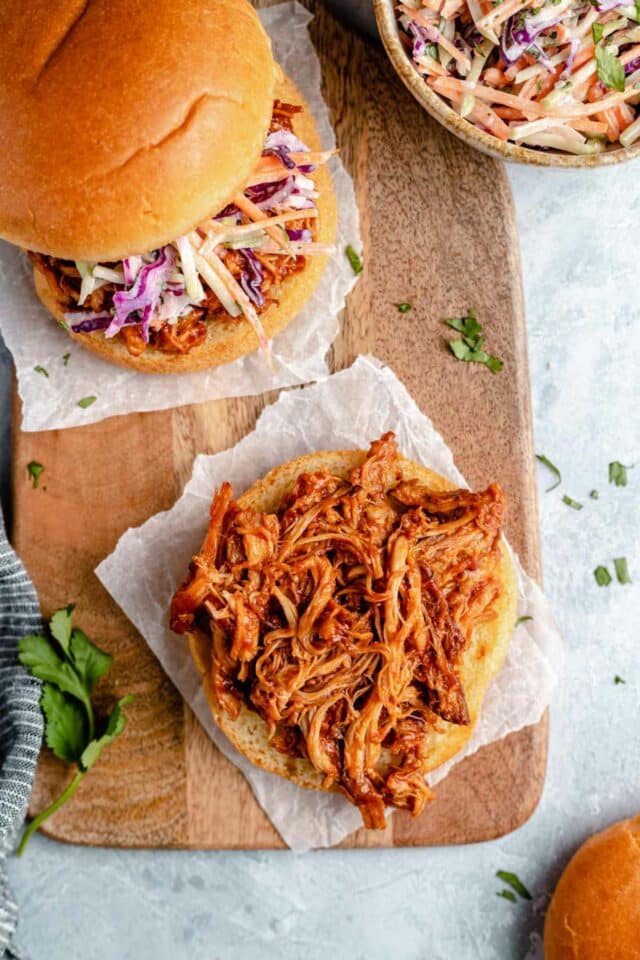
<point>467,132</point>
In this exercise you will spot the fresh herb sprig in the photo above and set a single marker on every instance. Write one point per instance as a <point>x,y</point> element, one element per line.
<point>69,666</point>
<point>470,346</point>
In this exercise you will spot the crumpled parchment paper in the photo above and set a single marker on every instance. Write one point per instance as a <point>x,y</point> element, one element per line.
<point>49,402</point>
<point>347,410</point>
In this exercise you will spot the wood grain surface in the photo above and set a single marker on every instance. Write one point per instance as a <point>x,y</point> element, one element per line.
<point>439,231</point>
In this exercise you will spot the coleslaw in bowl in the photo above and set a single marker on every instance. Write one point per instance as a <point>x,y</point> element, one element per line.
<point>548,82</point>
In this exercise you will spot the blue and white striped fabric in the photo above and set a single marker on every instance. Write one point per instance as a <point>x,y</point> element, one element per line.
<point>20,721</point>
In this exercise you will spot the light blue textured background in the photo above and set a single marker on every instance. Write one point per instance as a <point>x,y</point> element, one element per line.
<point>578,240</point>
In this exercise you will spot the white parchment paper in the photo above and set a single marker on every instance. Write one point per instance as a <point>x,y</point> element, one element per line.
<point>298,352</point>
<point>347,410</point>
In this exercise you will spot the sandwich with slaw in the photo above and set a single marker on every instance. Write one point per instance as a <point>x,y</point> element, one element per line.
<point>164,176</point>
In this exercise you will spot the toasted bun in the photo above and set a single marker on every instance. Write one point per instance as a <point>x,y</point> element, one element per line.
<point>595,910</point>
<point>125,124</point>
<point>482,659</point>
<point>228,341</point>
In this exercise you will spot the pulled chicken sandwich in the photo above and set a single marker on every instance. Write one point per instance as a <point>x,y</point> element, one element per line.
<point>347,614</point>
<point>190,214</point>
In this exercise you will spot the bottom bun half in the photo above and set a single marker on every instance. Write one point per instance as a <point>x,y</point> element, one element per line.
<point>482,659</point>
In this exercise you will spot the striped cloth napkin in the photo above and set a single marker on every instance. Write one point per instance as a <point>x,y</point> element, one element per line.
<point>20,722</point>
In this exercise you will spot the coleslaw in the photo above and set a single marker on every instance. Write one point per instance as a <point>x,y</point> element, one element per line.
<point>555,75</point>
<point>222,265</point>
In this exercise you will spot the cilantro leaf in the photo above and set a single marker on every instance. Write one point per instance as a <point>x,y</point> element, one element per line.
<point>65,731</point>
<point>618,680</point>
<point>90,662</point>
<point>354,259</point>
<point>523,620</point>
<point>514,881</point>
<point>403,307</point>
<point>609,69</point>
<point>603,577</point>
<point>469,347</point>
<point>65,358</point>
<point>60,626</point>
<point>622,570</point>
<point>40,656</point>
<point>570,502</point>
<point>618,473</point>
<point>594,495</point>
<point>34,470</point>
<point>115,725</point>
<point>69,665</point>
<point>468,325</point>
<point>42,370</point>
<point>507,895</point>
<point>86,402</point>
<point>540,457</point>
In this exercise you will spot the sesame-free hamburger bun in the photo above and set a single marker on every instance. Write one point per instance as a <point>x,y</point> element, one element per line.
<point>595,910</point>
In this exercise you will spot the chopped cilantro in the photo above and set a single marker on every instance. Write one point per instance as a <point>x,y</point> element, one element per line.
<point>42,370</point>
<point>618,473</point>
<point>609,69</point>
<point>86,402</point>
<point>354,259</point>
<point>622,570</point>
<point>469,347</point>
<point>603,577</point>
<point>403,307</point>
<point>570,502</point>
<point>514,881</point>
<point>550,466</point>
<point>34,470</point>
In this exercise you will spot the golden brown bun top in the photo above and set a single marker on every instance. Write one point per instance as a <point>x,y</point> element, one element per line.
<point>595,910</point>
<point>123,124</point>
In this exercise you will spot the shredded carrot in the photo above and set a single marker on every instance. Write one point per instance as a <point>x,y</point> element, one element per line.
<point>450,84</point>
<point>255,214</point>
<point>508,113</point>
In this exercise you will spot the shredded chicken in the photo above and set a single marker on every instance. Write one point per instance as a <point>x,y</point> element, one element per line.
<point>191,330</point>
<point>342,619</point>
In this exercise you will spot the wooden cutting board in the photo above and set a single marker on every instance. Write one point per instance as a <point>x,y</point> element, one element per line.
<point>439,232</point>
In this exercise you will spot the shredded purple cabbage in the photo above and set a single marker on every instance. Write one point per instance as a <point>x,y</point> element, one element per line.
<point>137,305</point>
<point>282,153</point>
<point>251,279</point>
<point>267,195</point>
<point>303,235</point>
<point>521,33</point>
<point>632,66</point>
<point>287,141</point>
<point>419,44</point>
<point>89,321</point>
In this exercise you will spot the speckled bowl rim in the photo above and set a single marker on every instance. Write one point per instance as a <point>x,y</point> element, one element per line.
<point>463,129</point>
